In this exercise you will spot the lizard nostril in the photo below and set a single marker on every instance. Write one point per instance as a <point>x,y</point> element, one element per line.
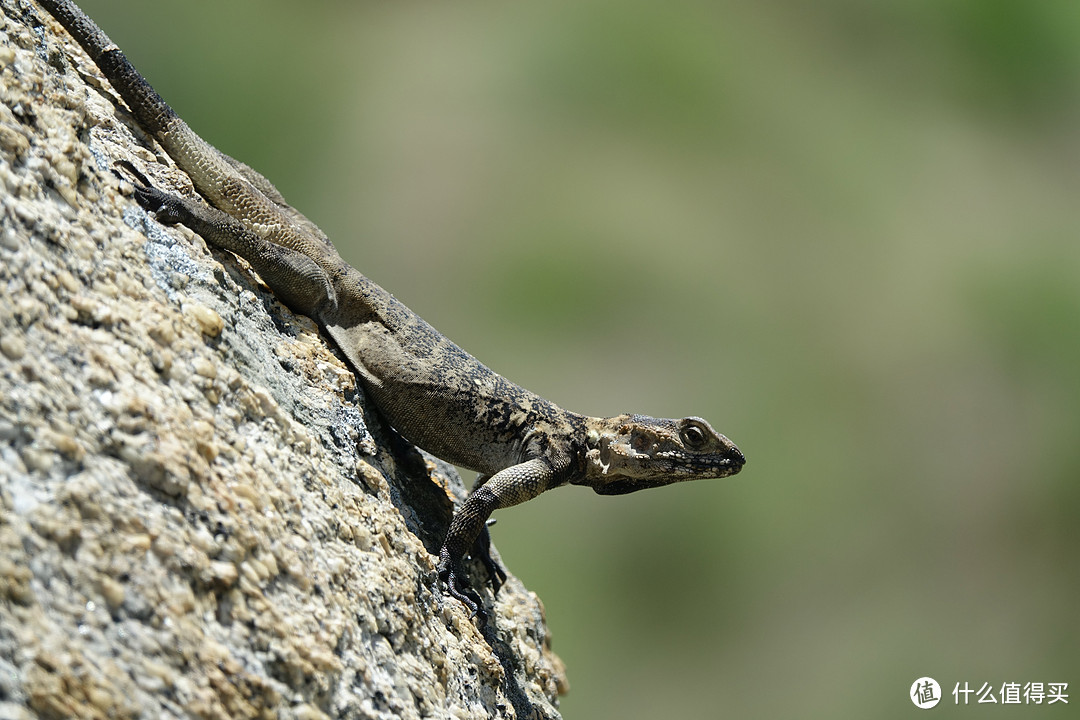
<point>736,457</point>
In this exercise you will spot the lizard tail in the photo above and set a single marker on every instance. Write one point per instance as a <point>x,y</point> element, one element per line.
<point>152,112</point>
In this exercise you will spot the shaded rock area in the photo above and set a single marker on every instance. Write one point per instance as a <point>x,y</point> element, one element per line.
<point>200,514</point>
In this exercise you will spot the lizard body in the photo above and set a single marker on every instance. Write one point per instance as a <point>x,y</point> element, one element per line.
<point>432,392</point>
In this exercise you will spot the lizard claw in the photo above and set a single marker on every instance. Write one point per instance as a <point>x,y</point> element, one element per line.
<point>165,207</point>
<point>450,574</point>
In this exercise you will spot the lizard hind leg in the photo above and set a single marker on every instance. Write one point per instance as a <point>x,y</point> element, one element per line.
<point>295,278</point>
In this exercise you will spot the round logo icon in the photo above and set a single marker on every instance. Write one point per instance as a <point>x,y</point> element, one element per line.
<point>925,693</point>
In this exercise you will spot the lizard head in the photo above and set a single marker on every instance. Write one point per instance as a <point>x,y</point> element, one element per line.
<point>633,452</point>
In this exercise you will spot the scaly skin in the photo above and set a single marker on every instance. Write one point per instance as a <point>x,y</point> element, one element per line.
<point>431,391</point>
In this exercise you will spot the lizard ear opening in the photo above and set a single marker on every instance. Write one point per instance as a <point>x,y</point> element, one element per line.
<point>642,441</point>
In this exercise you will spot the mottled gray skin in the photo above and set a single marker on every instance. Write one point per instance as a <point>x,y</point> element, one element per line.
<point>431,391</point>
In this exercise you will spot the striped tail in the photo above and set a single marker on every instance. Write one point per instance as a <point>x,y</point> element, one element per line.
<point>152,112</point>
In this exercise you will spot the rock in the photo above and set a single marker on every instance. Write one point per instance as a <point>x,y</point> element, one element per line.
<point>200,513</point>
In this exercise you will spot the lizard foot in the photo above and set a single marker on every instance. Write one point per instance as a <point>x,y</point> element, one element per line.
<point>451,574</point>
<point>167,209</point>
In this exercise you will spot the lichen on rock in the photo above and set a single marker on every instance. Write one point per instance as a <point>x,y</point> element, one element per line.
<point>200,514</point>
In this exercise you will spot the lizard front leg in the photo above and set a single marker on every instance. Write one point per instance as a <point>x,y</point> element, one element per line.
<point>510,486</point>
<point>481,548</point>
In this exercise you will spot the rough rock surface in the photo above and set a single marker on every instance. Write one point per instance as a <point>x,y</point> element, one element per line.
<point>200,515</point>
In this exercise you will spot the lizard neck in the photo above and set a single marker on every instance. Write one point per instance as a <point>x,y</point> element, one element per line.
<point>599,434</point>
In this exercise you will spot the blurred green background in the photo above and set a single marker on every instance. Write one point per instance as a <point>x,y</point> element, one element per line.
<point>844,232</point>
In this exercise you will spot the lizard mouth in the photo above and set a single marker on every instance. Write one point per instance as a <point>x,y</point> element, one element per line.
<point>723,467</point>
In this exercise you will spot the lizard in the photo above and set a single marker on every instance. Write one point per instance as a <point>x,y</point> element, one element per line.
<point>429,390</point>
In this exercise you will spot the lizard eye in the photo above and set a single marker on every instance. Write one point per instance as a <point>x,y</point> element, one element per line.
<point>693,436</point>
